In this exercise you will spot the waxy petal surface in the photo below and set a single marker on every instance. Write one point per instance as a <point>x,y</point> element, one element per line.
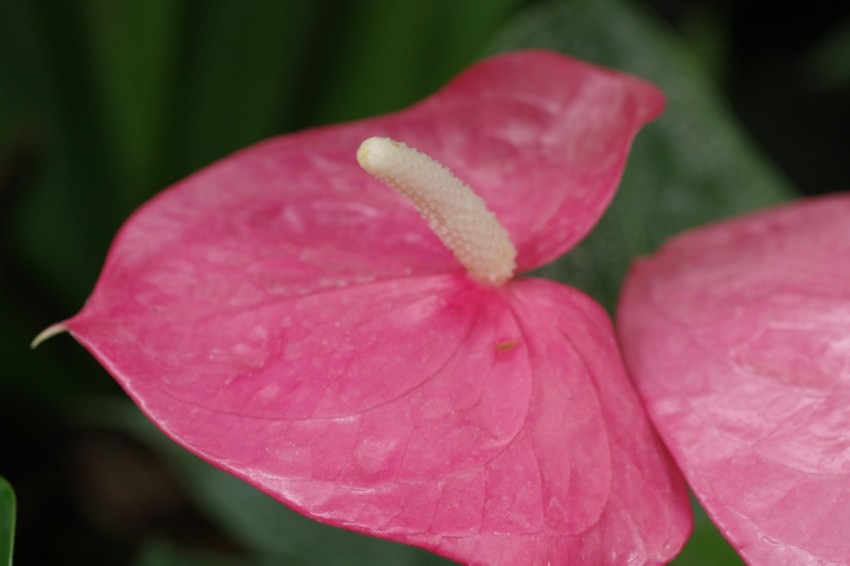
<point>738,336</point>
<point>293,321</point>
<point>542,138</point>
<point>495,426</point>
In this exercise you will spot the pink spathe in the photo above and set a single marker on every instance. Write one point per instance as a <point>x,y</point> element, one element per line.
<point>738,336</point>
<point>293,321</point>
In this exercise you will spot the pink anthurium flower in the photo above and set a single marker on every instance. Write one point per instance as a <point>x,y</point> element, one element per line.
<point>738,336</point>
<point>290,318</point>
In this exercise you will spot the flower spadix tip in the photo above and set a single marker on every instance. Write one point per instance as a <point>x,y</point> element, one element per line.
<point>373,149</point>
<point>458,216</point>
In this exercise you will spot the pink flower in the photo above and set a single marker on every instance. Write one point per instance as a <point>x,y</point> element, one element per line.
<point>292,320</point>
<point>738,336</point>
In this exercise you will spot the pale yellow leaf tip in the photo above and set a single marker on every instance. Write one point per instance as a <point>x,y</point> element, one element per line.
<point>47,333</point>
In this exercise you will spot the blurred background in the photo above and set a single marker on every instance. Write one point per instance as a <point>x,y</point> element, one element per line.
<point>103,103</point>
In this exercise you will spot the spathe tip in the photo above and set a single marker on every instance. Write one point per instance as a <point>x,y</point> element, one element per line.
<point>47,333</point>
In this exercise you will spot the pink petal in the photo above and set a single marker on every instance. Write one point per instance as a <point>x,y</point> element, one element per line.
<point>739,338</point>
<point>495,426</point>
<point>541,137</point>
<point>293,321</point>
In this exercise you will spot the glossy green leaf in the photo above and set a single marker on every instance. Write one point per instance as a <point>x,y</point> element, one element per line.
<point>706,547</point>
<point>690,167</point>
<point>8,513</point>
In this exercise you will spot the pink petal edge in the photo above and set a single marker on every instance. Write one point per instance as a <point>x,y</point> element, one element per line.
<point>507,431</point>
<point>738,337</point>
<point>292,321</point>
<point>541,137</point>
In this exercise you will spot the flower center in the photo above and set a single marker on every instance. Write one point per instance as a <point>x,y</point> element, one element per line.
<point>458,216</point>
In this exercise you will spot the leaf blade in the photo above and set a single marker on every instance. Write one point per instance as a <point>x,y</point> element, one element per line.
<point>8,515</point>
